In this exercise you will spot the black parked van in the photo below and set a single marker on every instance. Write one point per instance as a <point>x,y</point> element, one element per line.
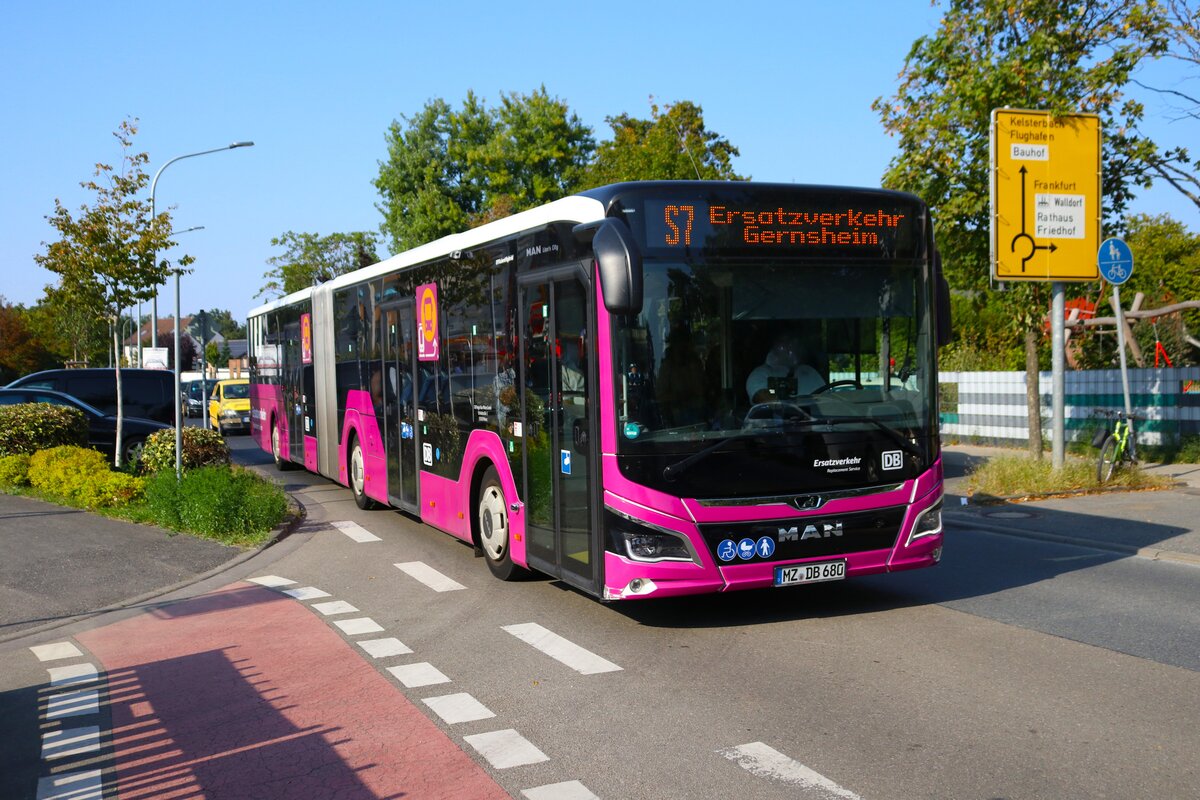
<point>148,393</point>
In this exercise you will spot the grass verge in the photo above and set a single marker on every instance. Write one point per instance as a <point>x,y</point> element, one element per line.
<point>1017,476</point>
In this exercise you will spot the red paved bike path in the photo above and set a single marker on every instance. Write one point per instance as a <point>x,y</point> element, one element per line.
<point>243,693</point>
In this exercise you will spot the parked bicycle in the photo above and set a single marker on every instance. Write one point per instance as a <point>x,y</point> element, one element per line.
<point>1117,445</point>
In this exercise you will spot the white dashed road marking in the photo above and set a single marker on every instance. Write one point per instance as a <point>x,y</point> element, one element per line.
<point>382,648</point>
<point>335,607</point>
<point>507,748</point>
<point>70,742</point>
<point>429,576</point>
<point>767,762</point>
<point>416,675</point>
<point>270,581</point>
<point>306,593</point>
<point>582,661</point>
<point>72,674</point>
<point>72,786</point>
<point>567,790</point>
<point>358,626</point>
<point>356,532</point>
<point>53,652</point>
<point>73,703</point>
<point>456,708</point>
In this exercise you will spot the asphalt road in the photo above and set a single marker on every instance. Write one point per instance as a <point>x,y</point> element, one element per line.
<point>1005,672</point>
<point>1017,668</point>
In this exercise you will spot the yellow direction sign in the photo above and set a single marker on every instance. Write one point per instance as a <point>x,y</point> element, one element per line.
<point>1045,187</point>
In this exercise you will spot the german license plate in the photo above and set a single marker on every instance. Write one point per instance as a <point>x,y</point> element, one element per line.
<point>810,573</point>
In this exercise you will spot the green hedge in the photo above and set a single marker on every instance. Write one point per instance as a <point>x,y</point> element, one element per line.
<point>201,448</point>
<point>29,427</point>
<point>230,504</point>
<point>82,477</point>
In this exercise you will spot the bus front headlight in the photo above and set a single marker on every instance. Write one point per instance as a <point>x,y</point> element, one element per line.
<point>929,523</point>
<point>641,541</point>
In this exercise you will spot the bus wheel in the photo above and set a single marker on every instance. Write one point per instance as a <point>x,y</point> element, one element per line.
<point>281,463</point>
<point>358,477</point>
<point>494,536</point>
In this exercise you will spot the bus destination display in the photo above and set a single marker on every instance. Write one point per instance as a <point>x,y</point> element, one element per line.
<point>691,223</point>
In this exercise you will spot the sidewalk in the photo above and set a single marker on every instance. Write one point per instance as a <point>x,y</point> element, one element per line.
<point>1162,525</point>
<point>64,563</point>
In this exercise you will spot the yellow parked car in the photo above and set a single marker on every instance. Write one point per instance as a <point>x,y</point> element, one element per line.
<point>229,406</point>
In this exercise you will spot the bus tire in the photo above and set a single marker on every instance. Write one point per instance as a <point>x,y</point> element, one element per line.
<point>494,535</point>
<point>281,463</point>
<point>357,473</point>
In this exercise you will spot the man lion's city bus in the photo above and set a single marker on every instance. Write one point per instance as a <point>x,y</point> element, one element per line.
<point>643,390</point>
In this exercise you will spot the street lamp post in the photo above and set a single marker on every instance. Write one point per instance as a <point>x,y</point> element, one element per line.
<point>154,311</point>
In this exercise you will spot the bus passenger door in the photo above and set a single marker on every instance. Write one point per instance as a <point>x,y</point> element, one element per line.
<point>558,414</point>
<point>400,402</point>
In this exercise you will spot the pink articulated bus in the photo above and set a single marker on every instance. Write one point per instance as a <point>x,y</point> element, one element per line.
<point>643,390</point>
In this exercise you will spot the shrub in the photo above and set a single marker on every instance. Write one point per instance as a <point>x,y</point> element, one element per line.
<point>1189,450</point>
<point>14,470</point>
<point>115,490</point>
<point>230,504</point>
<point>201,448</point>
<point>29,427</point>
<point>81,477</point>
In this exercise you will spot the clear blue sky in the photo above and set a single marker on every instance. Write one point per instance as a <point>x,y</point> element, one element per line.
<point>316,84</point>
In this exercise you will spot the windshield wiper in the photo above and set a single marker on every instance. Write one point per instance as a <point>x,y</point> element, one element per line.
<point>672,471</point>
<point>893,434</point>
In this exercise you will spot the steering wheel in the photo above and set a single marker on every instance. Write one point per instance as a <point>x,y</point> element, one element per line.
<point>765,415</point>
<point>837,384</point>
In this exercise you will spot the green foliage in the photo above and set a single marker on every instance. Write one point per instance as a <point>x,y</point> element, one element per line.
<point>23,351</point>
<point>14,470</point>
<point>221,320</point>
<point>70,327</point>
<point>228,504</point>
<point>309,259</point>
<point>202,447</point>
<point>982,340</point>
<point>448,170</point>
<point>80,476</point>
<point>29,427</point>
<point>1189,450</point>
<point>672,145</point>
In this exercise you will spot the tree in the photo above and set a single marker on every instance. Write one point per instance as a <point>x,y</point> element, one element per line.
<point>448,170</point>
<point>220,321</point>
<point>309,259</point>
<point>673,144</point>
<point>105,258</point>
<point>21,350</point>
<point>1064,56</point>
<point>1174,165</point>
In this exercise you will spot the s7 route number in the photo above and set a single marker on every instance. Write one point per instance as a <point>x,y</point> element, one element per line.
<point>674,217</point>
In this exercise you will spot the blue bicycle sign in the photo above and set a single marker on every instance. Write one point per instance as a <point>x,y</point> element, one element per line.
<point>1115,260</point>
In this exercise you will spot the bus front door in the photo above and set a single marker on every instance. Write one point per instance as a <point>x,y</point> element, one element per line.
<point>401,428</point>
<point>558,413</point>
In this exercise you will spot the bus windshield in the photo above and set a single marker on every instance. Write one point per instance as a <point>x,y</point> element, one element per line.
<point>753,376</point>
